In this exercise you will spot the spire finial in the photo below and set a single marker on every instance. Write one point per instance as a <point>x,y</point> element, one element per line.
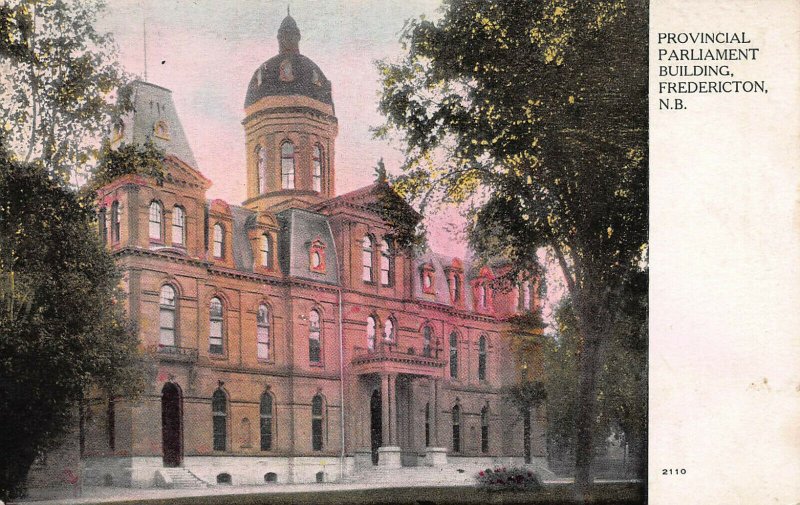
<point>287,10</point>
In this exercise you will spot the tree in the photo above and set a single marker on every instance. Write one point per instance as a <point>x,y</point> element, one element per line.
<point>622,383</point>
<point>59,75</point>
<point>64,330</point>
<point>533,114</point>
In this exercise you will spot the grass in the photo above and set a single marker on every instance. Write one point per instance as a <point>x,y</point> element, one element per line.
<point>552,494</point>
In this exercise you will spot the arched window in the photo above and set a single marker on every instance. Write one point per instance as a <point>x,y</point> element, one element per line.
<point>156,215</point>
<point>454,355</point>
<point>166,316</point>
<point>482,295</point>
<point>482,358</point>
<point>317,175</point>
<point>262,329</point>
<point>178,226</point>
<point>265,246</point>
<point>366,258</point>
<point>287,165</point>
<point>388,330</point>
<point>261,169</point>
<point>102,226</point>
<point>316,423</point>
<point>215,344</point>
<point>485,429</point>
<point>115,222</point>
<point>266,422</point>
<point>219,412</point>
<point>387,261</point>
<point>314,347</point>
<point>427,333</point>
<point>456,428</point>
<point>219,241</point>
<point>371,325</point>
<point>427,425</point>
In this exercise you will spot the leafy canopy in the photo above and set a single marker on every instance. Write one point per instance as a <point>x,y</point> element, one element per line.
<point>58,78</point>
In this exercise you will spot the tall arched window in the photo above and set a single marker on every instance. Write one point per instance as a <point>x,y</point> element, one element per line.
<point>456,288</point>
<point>454,355</point>
<point>262,328</point>
<point>316,423</point>
<point>427,424</point>
<point>482,358</point>
<point>314,347</point>
<point>388,330</point>
<point>387,273</point>
<point>166,316</point>
<point>115,222</point>
<point>266,250</point>
<point>102,226</point>
<point>366,258</point>
<point>156,218</point>
<point>215,333</point>
<point>426,341</point>
<point>219,241</point>
<point>482,295</point>
<point>219,412</point>
<point>456,428</point>
<point>178,226</point>
<point>485,429</point>
<point>317,175</point>
<point>287,165</point>
<point>371,325</point>
<point>261,169</point>
<point>266,422</point>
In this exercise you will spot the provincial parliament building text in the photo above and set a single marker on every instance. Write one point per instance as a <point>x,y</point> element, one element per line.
<point>291,340</point>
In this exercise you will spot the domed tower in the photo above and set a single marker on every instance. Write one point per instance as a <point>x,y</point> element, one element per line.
<point>290,129</point>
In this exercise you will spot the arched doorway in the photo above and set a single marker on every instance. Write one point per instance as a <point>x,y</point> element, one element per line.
<point>376,431</point>
<point>172,424</point>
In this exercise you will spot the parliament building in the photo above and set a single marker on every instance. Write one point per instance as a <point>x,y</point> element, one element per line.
<point>291,339</point>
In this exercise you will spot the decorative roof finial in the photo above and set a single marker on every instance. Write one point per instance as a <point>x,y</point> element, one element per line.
<point>287,10</point>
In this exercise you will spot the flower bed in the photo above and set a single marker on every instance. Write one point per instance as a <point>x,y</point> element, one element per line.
<point>505,479</point>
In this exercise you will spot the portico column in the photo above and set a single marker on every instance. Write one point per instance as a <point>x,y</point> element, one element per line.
<point>385,430</point>
<point>393,410</point>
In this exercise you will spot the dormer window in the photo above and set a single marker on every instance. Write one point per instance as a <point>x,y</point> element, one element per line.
<point>265,249</point>
<point>482,295</point>
<point>426,278</point>
<point>178,226</point>
<point>387,263</point>
<point>219,241</point>
<point>316,259</point>
<point>161,130</point>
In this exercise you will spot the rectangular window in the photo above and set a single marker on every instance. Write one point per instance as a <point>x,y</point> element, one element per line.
<point>263,342</point>
<point>316,434</point>
<point>314,350</point>
<point>215,337</point>
<point>266,433</point>
<point>219,432</point>
<point>167,327</point>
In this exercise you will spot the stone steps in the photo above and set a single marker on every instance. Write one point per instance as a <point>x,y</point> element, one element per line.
<point>181,478</point>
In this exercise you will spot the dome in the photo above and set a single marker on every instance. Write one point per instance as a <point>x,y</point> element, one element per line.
<point>289,73</point>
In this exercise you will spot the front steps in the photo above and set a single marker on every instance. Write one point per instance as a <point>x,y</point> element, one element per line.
<point>179,478</point>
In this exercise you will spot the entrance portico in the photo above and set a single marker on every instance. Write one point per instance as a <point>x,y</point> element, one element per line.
<point>392,378</point>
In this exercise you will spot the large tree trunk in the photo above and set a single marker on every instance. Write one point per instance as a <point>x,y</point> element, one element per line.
<point>585,423</point>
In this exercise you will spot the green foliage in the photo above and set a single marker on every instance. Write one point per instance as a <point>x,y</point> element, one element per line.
<point>534,115</point>
<point>62,323</point>
<point>509,479</point>
<point>141,159</point>
<point>58,78</point>
<point>406,223</point>
<point>621,393</point>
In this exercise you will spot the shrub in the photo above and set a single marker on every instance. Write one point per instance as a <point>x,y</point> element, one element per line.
<point>508,479</point>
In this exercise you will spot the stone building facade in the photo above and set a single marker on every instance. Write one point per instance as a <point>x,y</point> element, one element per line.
<point>292,340</point>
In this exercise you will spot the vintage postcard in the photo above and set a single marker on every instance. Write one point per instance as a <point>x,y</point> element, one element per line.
<point>422,251</point>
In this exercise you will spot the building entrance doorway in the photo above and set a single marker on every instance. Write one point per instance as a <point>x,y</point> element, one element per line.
<point>172,424</point>
<point>376,430</point>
